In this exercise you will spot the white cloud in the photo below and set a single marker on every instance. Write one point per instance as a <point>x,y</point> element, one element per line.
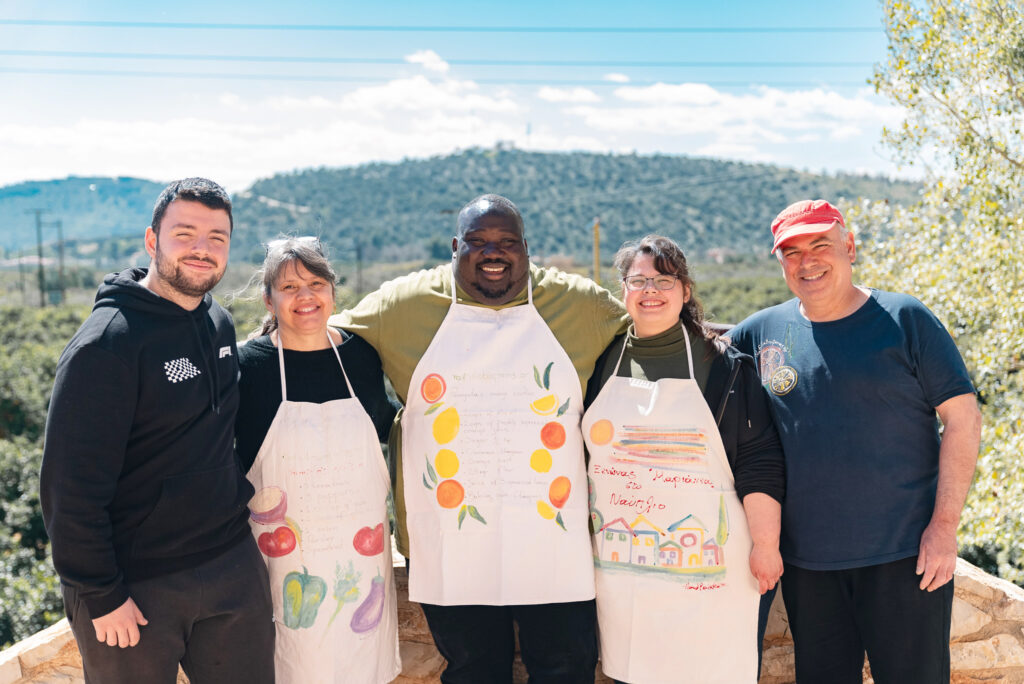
<point>430,60</point>
<point>550,94</point>
<point>616,78</point>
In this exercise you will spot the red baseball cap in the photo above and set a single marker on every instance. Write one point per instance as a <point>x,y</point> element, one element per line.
<point>805,217</point>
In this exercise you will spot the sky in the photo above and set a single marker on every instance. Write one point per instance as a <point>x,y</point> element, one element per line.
<point>240,91</point>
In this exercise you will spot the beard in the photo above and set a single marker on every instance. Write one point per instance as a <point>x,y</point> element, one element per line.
<point>172,274</point>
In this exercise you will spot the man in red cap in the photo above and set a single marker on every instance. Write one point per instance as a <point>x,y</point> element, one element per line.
<point>873,491</point>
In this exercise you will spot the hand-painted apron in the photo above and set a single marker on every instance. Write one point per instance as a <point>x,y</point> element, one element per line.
<point>320,518</point>
<point>495,494</point>
<point>675,598</point>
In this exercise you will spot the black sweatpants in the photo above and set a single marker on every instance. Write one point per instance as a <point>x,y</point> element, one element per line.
<point>216,620</point>
<point>837,615</point>
<point>557,641</point>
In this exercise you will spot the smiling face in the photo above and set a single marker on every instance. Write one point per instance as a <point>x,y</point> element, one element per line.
<point>189,252</point>
<point>302,302</point>
<point>491,262</point>
<point>819,270</point>
<point>653,311</point>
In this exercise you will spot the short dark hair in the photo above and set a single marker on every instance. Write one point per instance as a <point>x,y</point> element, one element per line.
<point>201,190</point>
<point>487,205</point>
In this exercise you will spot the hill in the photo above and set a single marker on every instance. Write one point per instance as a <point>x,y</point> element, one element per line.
<point>406,211</point>
<point>86,208</point>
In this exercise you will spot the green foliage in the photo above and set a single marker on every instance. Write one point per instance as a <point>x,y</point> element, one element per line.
<point>31,340</point>
<point>958,70</point>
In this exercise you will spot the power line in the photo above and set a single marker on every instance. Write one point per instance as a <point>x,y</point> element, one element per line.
<point>437,29</point>
<point>380,79</point>
<point>402,60</point>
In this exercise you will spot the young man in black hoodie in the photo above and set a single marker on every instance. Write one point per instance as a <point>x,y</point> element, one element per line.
<point>142,498</point>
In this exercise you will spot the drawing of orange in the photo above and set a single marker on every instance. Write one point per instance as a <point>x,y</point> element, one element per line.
<point>446,463</point>
<point>540,460</point>
<point>602,432</point>
<point>545,406</point>
<point>450,493</point>
<point>558,492</point>
<point>432,388</point>
<point>552,435</point>
<point>446,425</point>
<point>546,511</point>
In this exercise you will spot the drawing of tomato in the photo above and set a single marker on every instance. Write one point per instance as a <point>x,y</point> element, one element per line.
<point>278,543</point>
<point>369,541</point>
<point>302,593</point>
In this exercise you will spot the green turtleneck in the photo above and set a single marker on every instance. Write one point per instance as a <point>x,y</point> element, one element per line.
<point>661,356</point>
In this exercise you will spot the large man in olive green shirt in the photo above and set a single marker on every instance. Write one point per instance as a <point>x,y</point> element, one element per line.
<point>492,269</point>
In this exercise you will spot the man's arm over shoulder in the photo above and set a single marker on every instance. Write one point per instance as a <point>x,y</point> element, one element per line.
<point>87,428</point>
<point>364,319</point>
<point>958,454</point>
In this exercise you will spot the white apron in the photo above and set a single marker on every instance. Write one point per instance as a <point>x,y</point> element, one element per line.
<point>495,484</point>
<point>320,519</point>
<point>675,598</point>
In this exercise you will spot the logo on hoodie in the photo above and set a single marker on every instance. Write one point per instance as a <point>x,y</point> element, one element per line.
<point>180,369</point>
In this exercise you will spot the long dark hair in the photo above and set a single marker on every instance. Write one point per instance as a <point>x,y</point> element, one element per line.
<point>668,259</point>
<point>306,250</point>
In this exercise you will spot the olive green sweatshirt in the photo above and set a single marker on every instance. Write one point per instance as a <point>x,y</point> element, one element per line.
<point>400,319</point>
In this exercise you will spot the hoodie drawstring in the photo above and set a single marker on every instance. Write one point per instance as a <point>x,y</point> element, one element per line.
<point>212,379</point>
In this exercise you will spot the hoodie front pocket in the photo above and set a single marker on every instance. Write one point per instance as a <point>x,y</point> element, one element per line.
<point>196,512</point>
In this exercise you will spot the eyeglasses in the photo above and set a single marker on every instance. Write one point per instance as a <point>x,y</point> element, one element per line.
<point>662,282</point>
<point>308,240</point>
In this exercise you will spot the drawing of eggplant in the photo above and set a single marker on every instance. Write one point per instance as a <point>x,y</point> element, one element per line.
<point>371,610</point>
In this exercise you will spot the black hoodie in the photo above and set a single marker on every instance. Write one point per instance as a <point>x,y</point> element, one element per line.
<point>139,477</point>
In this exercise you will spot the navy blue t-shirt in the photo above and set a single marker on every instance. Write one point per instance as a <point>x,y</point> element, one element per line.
<point>854,402</point>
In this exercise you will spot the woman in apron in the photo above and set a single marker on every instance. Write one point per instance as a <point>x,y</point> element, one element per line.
<point>312,414</point>
<point>686,478</point>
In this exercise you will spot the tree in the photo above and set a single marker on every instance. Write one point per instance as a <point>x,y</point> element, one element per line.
<point>957,70</point>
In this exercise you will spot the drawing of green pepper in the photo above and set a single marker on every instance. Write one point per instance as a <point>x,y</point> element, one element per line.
<point>302,593</point>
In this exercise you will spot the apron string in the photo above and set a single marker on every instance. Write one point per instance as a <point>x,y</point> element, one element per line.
<point>348,384</point>
<point>280,363</point>
<point>625,338</point>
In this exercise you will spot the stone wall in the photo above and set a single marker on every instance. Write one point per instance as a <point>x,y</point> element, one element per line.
<point>987,641</point>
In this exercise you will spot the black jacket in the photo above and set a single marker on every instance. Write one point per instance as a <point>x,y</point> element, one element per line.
<point>738,402</point>
<point>139,477</point>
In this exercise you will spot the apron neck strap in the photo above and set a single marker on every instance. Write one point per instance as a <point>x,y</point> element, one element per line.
<point>625,339</point>
<point>280,364</point>
<point>529,284</point>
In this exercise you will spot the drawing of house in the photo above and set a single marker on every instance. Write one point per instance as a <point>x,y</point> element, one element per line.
<point>691,534</point>
<point>616,542</point>
<point>646,541</point>
<point>670,554</point>
<point>713,553</point>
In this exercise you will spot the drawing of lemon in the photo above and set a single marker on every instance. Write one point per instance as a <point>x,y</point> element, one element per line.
<point>540,460</point>
<point>446,425</point>
<point>545,406</point>
<point>602,432</point>
<point>446,463</point>
<point>546,511</point>
<point>450,493</point>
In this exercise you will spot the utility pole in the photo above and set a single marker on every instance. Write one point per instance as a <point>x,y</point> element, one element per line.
<point>60,257</point>
<point>359,269</point>
<point>597,250</point>
<point>21,277</point>
<point>39,251</point>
